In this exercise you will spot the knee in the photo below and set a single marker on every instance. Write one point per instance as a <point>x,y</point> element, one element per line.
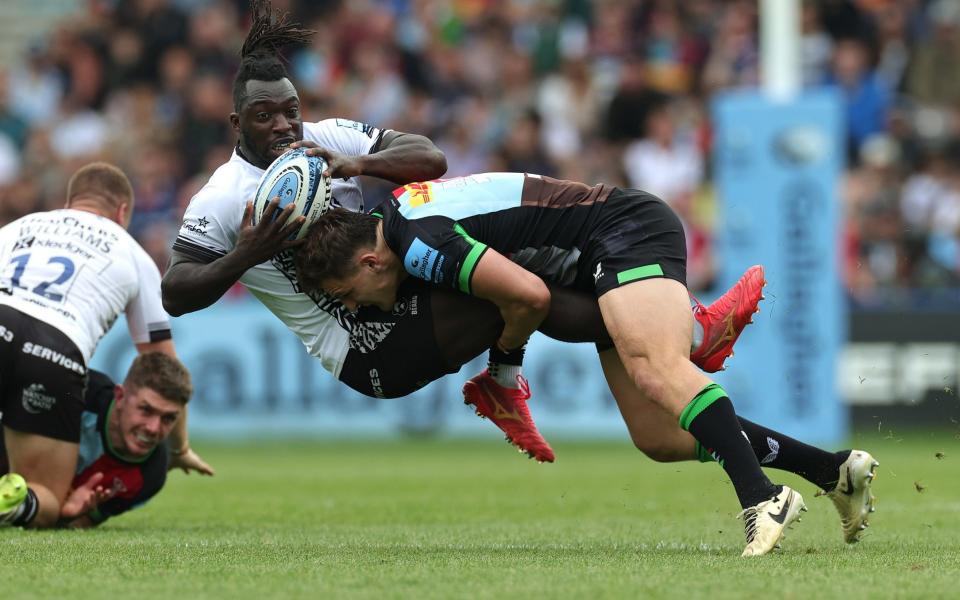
<point>649,375</point>
<point>659,451</point>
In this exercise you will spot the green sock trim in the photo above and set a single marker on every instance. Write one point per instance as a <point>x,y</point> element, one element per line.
<point>700,402</point>
<point>702,454</point>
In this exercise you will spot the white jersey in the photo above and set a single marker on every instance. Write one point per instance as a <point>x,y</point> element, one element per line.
<point>211,225</point>
<point>78,271</point>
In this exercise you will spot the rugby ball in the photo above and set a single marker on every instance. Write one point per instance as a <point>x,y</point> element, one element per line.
<point>295,177</point>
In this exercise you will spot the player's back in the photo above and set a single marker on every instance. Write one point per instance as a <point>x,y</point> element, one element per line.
<point>542,223</point>
<point>72,269</point>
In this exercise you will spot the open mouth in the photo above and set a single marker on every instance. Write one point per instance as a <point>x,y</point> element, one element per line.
<point>281,146</point>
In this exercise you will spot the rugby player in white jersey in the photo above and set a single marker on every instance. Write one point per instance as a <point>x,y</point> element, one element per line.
<point>429,332</point>
<point>65,277</point>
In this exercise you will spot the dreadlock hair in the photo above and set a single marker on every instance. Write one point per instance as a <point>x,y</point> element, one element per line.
<point>260,57</point>
<point>331,244</point>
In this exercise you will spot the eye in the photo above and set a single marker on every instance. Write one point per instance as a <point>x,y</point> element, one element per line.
<point>293,112</point>
<point>262,116</point>
<point>168,419</point>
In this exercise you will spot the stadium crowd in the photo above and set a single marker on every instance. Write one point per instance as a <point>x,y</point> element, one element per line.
<point>614,91</point>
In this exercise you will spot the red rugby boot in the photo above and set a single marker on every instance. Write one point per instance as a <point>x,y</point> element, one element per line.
<point>508,410</point>
<point>724,320</point>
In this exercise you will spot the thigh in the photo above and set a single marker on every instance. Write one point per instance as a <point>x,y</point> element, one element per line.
<point>655,352</point>
<point>652,429</point>
<point>42,460</point>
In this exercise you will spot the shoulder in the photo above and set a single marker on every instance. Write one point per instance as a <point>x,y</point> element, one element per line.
<point>228,183</point>
<point>341,134</point>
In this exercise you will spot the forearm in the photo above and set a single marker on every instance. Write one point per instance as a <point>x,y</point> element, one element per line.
<point>407,158</point>
<point>188,287</point>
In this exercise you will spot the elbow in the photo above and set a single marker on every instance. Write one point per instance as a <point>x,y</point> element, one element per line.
<point>171,308</point>
<point>542,303</point>
<point>169,304</point>
<point>436,164</point>
<point>537,300</point>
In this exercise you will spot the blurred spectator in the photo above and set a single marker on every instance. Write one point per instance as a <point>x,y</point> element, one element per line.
<point>866,95</point>
<point>666,163</point>
<point>932,78</point>
<point>590,90</point>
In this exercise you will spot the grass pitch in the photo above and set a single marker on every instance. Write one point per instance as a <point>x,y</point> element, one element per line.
<point>443,519</point>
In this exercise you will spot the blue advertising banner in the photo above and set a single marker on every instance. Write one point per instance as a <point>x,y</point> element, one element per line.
<point>777,168</point>
<point>253,377</point>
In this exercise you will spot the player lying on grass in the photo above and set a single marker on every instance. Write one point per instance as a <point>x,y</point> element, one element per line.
<point>384,354</point>
<point>626,247</point>
<point>65,277</point>
<point>123,442</point>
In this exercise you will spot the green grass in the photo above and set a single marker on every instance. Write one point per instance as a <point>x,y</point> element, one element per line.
<point>446,519</point>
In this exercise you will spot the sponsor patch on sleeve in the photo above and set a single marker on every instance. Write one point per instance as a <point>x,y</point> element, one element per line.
<point>363,128</point>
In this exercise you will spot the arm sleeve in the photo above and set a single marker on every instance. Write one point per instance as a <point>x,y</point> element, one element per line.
<point>435,249</point>
<point>146,319</point>
<point>349,137</point>
<point>211,222</point>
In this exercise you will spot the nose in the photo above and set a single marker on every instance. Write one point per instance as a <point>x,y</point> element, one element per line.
<point>152,425</point>
<point>281,123</point>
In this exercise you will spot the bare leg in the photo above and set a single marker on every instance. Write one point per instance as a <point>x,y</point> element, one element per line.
<point>655,353</point>
<point>653,430</point>
<point>48,466</point>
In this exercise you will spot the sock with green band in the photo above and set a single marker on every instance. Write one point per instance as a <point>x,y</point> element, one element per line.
<point>710,418</point>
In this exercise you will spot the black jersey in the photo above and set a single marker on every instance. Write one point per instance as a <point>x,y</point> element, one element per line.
<point>592,238</point>
<point>133,482</point>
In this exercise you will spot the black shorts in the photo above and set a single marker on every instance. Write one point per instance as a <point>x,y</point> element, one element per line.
<point>42,378</point>
<point>408,357</point>
<point>638,237</point>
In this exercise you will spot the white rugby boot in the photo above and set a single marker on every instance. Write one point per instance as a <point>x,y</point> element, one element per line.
<point>852,495</point>
<point>766,523</point>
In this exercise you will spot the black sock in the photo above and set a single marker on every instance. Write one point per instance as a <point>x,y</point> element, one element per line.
<point>773,449</point>
<point>710,418</point>
<point>505,366</point>
<point>26,511</point>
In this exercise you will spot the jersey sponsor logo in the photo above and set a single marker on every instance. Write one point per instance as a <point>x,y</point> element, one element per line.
<point>5,334</point>
<point>363,128</point>
<point>53,356</point>
<point>200,228</point>
<point>423,261</point>
<point>375,384</point>
<point>414,194</point>
<point>24,243</point>
<point>36,400</point>
<point>65,227</point>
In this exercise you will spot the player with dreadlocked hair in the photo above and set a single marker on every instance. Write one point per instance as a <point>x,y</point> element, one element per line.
<point>430,332</point>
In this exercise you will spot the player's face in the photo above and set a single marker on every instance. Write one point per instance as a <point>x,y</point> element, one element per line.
<point>365,287</point>
<point>269,120</point>
<point>144,420</point>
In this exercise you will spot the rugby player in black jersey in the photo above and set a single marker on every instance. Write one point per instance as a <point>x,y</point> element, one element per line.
<point>498,236</point>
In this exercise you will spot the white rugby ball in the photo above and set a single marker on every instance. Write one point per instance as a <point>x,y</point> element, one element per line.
<point>295,177</point>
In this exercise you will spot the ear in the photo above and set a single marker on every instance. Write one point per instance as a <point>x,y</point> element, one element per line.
<point>118,394</point>
<point>123,214</point>
<point>370,260</point>
<point>235,121</point>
